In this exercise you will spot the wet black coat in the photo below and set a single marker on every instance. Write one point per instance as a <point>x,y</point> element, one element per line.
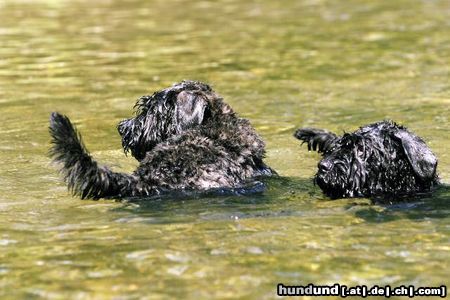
<point>184,137</point>
<point>381,159</point>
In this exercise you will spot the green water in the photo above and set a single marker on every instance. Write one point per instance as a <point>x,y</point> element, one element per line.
<point>281,64</point>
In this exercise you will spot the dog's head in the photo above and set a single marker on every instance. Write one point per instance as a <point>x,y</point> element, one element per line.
<point>342,171</point>
<point>169,112</point>
<point>382,158</point>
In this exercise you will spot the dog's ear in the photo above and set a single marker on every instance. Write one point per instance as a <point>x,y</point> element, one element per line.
<point>420,157</point>
<point>190,109</point>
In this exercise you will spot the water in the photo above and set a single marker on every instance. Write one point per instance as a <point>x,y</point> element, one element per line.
<point>283,65</point>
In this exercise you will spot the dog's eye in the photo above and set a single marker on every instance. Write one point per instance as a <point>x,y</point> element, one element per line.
<point>346,143</point>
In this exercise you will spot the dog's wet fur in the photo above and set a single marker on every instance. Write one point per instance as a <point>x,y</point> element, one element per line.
<point>380,160</point>
<point>185,137</point>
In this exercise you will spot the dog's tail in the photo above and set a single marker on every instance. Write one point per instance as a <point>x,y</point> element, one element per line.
<point>317,139</point>
<point>82,174</point>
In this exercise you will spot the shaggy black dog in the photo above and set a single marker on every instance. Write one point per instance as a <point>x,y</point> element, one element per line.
<point>381,159</point>
<point>184,137</point>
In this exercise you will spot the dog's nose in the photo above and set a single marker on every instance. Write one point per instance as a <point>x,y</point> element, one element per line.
<point>325,165</point>
<point>120,128</point>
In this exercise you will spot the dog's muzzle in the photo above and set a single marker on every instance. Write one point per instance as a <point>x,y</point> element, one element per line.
<point>121,127</point>
<point>325,165</point>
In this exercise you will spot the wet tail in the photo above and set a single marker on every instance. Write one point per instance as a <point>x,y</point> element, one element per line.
<point>82,174</point>
<point>317,139</point>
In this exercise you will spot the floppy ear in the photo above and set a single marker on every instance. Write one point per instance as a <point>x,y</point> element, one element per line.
<point>190,109</point>
<point>420,157</point>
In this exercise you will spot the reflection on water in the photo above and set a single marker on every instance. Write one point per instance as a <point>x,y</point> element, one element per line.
<point>282,64</point>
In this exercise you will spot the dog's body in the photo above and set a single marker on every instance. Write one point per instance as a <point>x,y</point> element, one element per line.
<point>381,159</point>
<point>184,137</point>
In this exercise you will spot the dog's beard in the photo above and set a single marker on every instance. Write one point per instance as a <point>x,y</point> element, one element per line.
<point>141,134</point>
<point>129,131</point>
<point>347,178</point>
<point>333,182</point>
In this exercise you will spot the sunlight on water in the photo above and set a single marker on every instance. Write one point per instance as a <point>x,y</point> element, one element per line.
<point>283,65</point>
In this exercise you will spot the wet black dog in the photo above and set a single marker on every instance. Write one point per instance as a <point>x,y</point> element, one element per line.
<point>381,159</point>
<point>184,137</point>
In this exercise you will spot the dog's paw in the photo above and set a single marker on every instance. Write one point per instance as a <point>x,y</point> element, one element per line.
<point>316,139</point>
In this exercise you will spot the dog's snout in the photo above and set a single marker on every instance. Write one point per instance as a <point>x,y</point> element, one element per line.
<point>325,165</point>
<point>121,126</point>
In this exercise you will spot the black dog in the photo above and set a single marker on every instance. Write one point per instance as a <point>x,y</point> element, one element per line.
<point>184,137</point>
<point>381,159</point>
